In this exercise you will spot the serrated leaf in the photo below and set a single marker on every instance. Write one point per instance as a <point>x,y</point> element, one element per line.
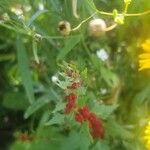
<point>37,105</point>
<point>84,73</point>
<point>104,110</point>
<point>81,90</point>
<point>23,64</point>
<point>59,106</point>
<point>35,16</point>
<point>57,119</point>
<point>69,45</point>
<point>82,101</point>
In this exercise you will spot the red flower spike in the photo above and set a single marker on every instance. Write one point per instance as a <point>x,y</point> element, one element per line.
<point>71,102</point>
<point>79,118</point>
<point>74,85</point>
<point>92,117</point>
<point>97,130</point>
<point>95,124</point>
<point>71,96</point>
<point>84,112</point>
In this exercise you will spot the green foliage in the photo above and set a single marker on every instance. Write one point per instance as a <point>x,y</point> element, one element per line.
<point>23,66</point>
<point>68,46</point>
<point>15,101</point>
<point>104,110</point>
<point>43,100</point>
<point>33,51</point>
<point>56,119</point>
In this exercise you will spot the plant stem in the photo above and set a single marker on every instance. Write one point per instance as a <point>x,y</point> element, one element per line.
<point>76,28</point>
<point>138,14</point>
<point>34,46</point>
<point>111,27</point>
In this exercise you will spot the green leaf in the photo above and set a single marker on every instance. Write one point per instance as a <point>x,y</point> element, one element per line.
<point>142,95</point>
<point>15,101</point>
<point>21,145</point>
<point>69,45</point>
<point>35,16</point>
<point>110,78</point>
<point>50,139</point>
<point>37,105</point>
<point>104,110</point>
<point>116,130</point>
<point>82,101</point>
<point>23,64</point>
<point>82,90</point>
<point>101,145</point>
<point>85,137</point>
<point>44,118</point>
<point>57,119</point>
<point>59,106</point>
<point>72,142</point>
<point>78,140</point>
<point>84,73</point>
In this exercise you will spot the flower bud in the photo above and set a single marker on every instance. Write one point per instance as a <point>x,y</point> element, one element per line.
<point>37,37</point>
<point>64,27</point>
<point>97,27</point>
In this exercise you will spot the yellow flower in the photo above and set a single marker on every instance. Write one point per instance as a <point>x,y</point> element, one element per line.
<point>144,58</point>
<point>147,136</point>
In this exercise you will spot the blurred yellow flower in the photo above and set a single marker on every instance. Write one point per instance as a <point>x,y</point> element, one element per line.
<point>144,58</point>
<point>147,136</point>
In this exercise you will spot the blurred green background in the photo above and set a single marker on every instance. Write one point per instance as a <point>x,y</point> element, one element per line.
<point>30,28</point>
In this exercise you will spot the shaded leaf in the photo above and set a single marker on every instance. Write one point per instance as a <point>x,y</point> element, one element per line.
<point>35,16</point>
<point>23,64</point>
<point>37,105</point>
<point>116,130</point>
<point>69,45</point>
<point>15,100</point>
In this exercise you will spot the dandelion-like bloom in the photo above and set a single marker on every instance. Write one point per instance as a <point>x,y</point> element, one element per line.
<point>144,58</point>
<point>147,135</point>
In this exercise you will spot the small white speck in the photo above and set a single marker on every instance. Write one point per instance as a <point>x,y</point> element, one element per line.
<point>54,78</point>
<point>103,90</point>
<point>41,6</point>
<point>102,54</point>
